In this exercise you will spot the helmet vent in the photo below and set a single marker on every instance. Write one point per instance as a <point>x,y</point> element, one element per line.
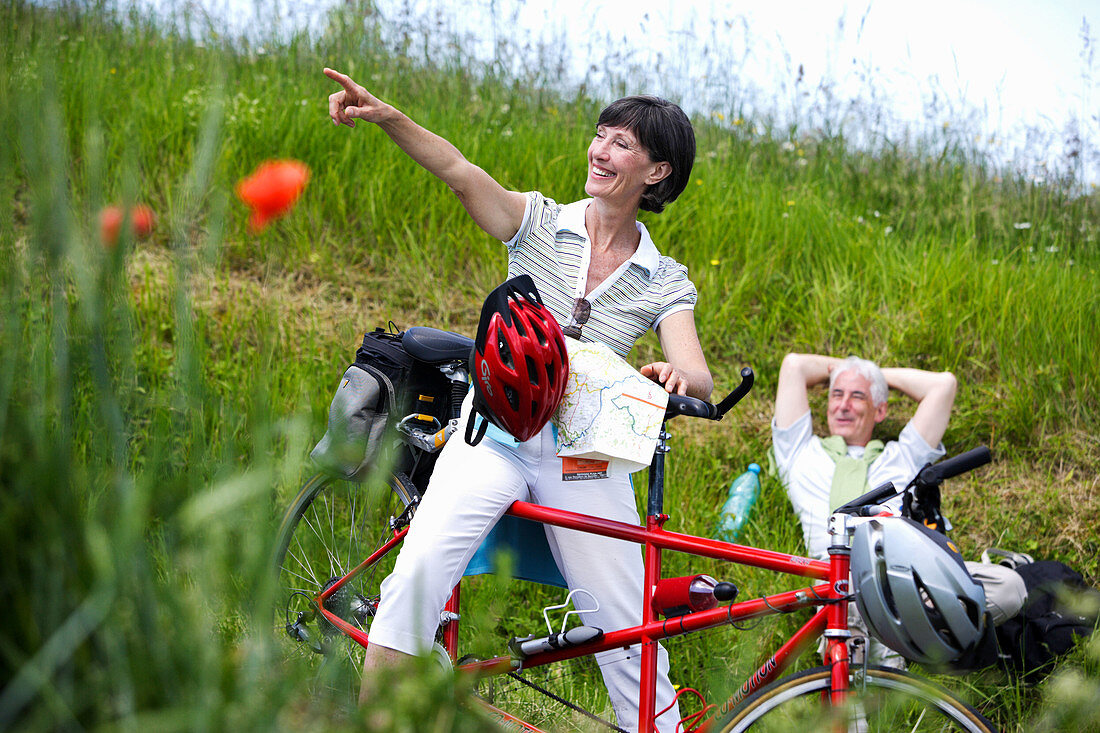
<point>532,370</point>
<point>512,396</point>
<point>887,594</point>
<point>505,353</point>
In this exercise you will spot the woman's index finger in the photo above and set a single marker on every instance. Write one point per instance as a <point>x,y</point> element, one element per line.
<point>342,79</point>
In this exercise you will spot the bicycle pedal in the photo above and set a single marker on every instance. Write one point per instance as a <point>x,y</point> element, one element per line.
<point>528,645</point>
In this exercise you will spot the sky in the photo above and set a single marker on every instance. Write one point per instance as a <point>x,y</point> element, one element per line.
<point>1014,73</point>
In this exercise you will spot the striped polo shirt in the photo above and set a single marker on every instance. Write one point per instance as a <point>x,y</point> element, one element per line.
<point>552,247</point>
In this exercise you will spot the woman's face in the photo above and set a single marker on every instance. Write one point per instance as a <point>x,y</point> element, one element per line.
<point>619,168</point>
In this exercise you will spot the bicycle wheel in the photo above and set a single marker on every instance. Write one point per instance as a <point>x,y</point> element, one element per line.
<point>885,700</point>
<point>330,527</point>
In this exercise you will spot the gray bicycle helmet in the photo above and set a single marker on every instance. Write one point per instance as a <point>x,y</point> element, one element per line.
<point>914,592</point>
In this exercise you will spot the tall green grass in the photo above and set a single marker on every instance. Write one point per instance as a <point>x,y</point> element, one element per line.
<point>158,400</point>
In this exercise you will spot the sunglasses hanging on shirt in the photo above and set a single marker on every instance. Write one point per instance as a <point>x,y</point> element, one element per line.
<point>582,309</point>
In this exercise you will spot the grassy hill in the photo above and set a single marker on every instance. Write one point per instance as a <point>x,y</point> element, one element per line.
<point>158,398</point>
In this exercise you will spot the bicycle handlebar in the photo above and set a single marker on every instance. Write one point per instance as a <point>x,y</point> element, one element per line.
<point>871,498</point>
<point>925,483</point>
<point>932,475</point>
<point>694,407</point>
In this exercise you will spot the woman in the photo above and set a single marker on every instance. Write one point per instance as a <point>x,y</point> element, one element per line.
<point>598,272</point>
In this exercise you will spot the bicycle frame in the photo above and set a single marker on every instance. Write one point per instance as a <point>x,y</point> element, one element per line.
<point>831,594</point>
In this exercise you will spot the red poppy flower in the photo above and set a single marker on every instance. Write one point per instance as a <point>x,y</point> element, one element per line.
<point>272,190</point>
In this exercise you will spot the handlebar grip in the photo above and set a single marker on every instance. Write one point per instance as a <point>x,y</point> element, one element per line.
<point>954,466</point>
<point>693,407</point>
<point>873,497</point>
<point>690,406</point>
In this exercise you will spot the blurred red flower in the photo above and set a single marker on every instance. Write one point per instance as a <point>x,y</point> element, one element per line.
<point>272,190</point>
<point>142,223</point>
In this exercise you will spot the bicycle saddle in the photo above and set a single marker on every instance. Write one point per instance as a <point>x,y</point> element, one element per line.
<point>433,346</point>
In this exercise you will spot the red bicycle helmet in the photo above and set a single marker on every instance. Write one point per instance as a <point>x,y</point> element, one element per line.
<point>519,362</point>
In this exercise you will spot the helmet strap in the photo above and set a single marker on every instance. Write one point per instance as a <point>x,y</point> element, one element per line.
<point>472,438</point>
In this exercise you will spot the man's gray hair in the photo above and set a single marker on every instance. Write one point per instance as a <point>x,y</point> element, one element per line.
<point>870,371</point>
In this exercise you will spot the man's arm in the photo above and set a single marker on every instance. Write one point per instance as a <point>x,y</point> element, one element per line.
<point>934,393</point>
<point>798,373</point>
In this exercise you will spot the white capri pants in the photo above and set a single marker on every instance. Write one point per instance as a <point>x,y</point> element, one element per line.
<point>469,491</point>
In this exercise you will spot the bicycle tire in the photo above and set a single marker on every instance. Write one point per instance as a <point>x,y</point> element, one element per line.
<point>888,700</point>
<point>330,527</point>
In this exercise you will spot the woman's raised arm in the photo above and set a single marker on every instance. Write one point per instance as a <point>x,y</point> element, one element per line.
<point>492,207</point>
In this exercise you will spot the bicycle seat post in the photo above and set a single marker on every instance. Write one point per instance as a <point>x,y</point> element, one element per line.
<point>836,632</point>
<point>656,502</point>
<point>652,553</point>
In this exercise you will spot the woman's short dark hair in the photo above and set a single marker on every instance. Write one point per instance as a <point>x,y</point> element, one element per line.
<point>665,132</point>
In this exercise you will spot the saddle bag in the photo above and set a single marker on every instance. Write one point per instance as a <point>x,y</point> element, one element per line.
<point>383,385</point>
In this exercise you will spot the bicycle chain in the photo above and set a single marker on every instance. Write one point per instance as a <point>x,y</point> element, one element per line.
<point>572,706</point>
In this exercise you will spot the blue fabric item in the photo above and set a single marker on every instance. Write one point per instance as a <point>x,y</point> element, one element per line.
<point>526,542</point>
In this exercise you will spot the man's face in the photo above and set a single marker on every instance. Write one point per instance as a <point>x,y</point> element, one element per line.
<point>851,414</point>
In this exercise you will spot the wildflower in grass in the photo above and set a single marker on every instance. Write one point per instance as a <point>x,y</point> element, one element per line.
<point>272,190</point>
<point>787,146</point>
<point>877,215</point>
<point>142,222</point>
<point>802,162</point>
<point>738,122</point>
<point>996,262</point>
<point>718,116</point>
<point>861,220</point>
<point>698,182</point>
<point>114,70</point>
<point>1052,249</point>
<point>790,203</point>
<point>1022,225</point>
<point>715,263</point>
<point>888,230</point>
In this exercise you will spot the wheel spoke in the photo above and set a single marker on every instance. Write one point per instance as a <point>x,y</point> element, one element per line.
<point>322,537</point>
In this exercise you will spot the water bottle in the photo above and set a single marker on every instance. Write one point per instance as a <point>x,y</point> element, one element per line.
<point>688,593</point>
<point>735,512</point>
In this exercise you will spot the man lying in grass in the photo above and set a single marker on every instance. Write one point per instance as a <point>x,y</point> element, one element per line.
<point>821,474</point>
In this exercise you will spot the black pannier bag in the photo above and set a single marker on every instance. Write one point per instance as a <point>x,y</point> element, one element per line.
<point>1061,609</point>
<point>383,386</point>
